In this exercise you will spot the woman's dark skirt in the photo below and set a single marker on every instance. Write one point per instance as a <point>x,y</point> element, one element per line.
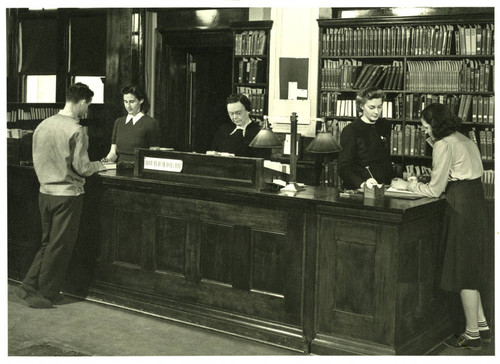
<point>466,236</point>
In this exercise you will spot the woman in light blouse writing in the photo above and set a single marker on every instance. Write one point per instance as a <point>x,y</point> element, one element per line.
<point>456,170</point>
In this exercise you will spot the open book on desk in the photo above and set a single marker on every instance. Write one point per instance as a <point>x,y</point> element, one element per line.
<point>394,192</point>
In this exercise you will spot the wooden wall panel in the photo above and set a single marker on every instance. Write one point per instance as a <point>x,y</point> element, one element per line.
<point>268,270</point>
<point>354,278</point>
<point>216,262</point>
<point>353,288</point>
<point>128,238</point>
<point>170,245</point>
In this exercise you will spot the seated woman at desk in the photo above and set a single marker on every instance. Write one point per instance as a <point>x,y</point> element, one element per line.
<point>235,137</point>
<point>457,169</point>
<point>365,155</point>
<point>134,130</point>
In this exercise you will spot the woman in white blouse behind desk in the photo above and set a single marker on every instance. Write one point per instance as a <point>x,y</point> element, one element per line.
<point>457,169</point>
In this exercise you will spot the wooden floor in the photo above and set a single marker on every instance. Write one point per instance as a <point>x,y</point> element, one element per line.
<point>82,328</point>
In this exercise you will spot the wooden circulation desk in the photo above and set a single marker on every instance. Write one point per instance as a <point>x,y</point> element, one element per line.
<point>312,272</point>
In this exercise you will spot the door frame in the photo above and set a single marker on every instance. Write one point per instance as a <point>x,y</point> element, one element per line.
<point>175,128</point>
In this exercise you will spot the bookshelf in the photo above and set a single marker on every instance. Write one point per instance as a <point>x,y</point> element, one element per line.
<point>251,63</point>
<point>417,61</point>
<point>23,118</point>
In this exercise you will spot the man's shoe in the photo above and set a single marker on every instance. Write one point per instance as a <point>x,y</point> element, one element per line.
<point>462,342</point>
<point>38,301</point>
<point>57,298</point>
<point>23,291</point>
<point>485,335</point>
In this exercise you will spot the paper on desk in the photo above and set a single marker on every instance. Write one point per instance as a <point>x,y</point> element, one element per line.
<point>109,165</point>
<point>392,189</point>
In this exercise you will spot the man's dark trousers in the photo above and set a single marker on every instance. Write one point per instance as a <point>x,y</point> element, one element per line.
<point>60,217</point>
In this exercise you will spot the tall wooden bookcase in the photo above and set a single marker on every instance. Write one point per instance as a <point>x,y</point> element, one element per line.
<point>251,63</point>
<point>416,60</point>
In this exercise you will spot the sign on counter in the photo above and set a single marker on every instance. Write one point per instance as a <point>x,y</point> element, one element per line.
<point>162,164</point>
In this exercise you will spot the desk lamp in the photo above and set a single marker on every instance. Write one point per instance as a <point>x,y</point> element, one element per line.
<point>324,143</point>
<point>267,139</point>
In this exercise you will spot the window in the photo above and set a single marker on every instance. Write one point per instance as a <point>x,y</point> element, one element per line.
<point>96,84</point>
<point>41,88</point>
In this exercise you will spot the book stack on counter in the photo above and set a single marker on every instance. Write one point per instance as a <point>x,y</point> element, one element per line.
<point>417,171</point>
<point>250,42</point>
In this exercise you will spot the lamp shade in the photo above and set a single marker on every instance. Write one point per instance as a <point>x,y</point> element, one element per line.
<point>265,138</point>
<point>324,142</point>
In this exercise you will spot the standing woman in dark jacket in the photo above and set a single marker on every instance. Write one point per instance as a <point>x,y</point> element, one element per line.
<point>365,155</point>
<point>456,170</point>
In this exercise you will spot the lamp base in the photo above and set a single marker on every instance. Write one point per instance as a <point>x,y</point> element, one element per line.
<point>294,187</point>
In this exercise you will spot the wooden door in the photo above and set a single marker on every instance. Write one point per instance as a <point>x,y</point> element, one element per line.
<point>198,80</point>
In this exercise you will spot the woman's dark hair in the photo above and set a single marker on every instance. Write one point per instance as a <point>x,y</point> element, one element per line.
<point>439,117</point>
<point>367,94</point>
<point>79,91</point>
<point>241,98</point>
<point>139,94</point>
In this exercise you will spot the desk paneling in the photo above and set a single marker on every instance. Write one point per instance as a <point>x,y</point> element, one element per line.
<point>204,252</point>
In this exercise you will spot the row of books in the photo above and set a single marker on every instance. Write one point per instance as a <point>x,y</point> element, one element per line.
<point>477,76</point>
<point>31,113</point>
<point>250,42</point>
<point>485,140</point>
<point>251,70</point>
<point>470,108</point>
<point>453,76</point>
<point>331,105</point>
<point>39,113</point>
<point>477,109</point>
<point>353,74</point>
<point>256,97</point>
<point>16,133</point>
<point>483,109</point>
<point>408,40</point>
<point>488,179</point>
<point>475,39</point>
<point>410,140</point>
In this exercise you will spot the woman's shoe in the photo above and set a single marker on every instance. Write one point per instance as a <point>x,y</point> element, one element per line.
<point>485,335</point>
<point>462,342</point>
